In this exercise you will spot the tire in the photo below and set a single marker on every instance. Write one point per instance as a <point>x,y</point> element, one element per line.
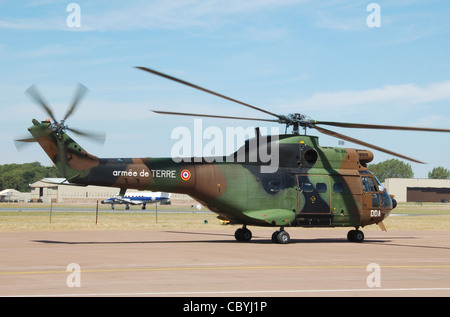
<point>355,236</point>
<point>243,235</point>
<point>359,236</point>
<point>246,235</point>
<point>274,236</point>
<point>238,234</point>
<point>283,237</point>
<point>350,235</point>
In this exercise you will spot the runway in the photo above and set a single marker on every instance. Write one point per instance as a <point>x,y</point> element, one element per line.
<point>318,262</point>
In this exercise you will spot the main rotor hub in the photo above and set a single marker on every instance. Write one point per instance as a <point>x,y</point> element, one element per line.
<point>296,120</point>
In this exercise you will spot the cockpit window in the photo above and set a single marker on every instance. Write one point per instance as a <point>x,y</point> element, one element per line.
<point>369,184</point>
<point>380,187</point>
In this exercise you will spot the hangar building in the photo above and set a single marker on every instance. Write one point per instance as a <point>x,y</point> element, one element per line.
<point>54,190</point>
<point>12,195</point>
<point>418,189</point>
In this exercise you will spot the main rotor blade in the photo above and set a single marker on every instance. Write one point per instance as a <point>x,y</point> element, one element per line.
<point>378,126</point>
<point>211,116</point>
<point>206,90</point>
<point>36,96</point>
<point>347,138</point>
<point>81,92</point>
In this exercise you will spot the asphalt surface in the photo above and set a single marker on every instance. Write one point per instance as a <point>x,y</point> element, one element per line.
<point>317,262</point>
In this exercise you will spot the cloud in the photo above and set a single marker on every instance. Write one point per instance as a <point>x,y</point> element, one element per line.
<point>435,120</point>
<point>142,15</point>
<point>406,93</point>
<point>340,23</point>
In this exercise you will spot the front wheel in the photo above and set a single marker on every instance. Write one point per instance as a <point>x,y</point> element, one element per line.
<point>355,236</point>
<point>281,237</point>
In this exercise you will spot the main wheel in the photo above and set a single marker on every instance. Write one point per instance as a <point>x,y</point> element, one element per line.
<point>274,236</point>
<point>243,234</point>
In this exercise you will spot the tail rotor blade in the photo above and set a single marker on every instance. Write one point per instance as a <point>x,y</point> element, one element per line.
<point>36,96</point>
<point>23,142</point>
<point>98,137</point>
<point>62,156</point>
<point>79,95</point>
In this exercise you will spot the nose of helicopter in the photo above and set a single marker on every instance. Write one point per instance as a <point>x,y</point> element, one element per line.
<point>394,203</point>
<point>388,211</point>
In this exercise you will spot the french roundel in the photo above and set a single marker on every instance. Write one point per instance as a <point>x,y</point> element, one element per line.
<point>185,175</point>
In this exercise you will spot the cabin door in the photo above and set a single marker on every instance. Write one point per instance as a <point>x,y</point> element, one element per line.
<point>314,194</point>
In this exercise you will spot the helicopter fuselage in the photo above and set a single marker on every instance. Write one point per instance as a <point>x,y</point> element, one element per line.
<point>313,186</point>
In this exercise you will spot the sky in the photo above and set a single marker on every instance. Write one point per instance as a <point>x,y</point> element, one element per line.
<point>348,61</point>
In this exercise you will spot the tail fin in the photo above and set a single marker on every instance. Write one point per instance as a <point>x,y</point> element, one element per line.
<point>69,157</point>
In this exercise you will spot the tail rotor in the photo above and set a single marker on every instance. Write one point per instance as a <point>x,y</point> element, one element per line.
<point>59,127</point>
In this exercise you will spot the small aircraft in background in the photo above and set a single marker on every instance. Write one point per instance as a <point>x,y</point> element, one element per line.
<point>138,198</point>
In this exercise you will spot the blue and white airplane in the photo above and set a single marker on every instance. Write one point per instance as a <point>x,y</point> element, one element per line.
<point>138,198</point>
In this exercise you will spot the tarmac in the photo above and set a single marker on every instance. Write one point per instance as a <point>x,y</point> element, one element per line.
<point>210,263</point>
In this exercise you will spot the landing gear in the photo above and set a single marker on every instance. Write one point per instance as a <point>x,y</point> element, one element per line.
<point>281,236</point>
<point>355,236</point>
<point>243,234</point>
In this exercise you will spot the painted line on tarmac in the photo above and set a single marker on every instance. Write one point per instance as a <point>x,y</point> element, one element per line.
<point>212,293</point>
<point>229,268</point>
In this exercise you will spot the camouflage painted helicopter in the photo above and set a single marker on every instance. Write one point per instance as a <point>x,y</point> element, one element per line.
<point>313,186</point>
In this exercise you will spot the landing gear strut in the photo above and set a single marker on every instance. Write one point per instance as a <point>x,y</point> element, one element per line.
<point>355,236</point>
<point>243,234</point>
<point>281,236</point>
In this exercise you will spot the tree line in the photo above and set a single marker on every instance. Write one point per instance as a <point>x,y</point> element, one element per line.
<point>20,176</point>
<point>394,168</point>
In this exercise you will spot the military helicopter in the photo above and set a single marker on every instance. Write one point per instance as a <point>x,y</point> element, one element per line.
<point>311,186</point>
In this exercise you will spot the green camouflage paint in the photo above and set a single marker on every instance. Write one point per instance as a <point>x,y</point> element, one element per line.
<point>314,186</point>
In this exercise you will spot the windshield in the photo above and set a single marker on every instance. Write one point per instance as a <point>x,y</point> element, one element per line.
<point>380,187</point>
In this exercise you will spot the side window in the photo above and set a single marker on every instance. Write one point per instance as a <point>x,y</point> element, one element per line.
<point>373,187</point>
<point>321,187</point>
<point>365,182</point>
<point>274,186</point>
<point>307,187</point>
<point>338,188</point>
<point>375,200</point>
